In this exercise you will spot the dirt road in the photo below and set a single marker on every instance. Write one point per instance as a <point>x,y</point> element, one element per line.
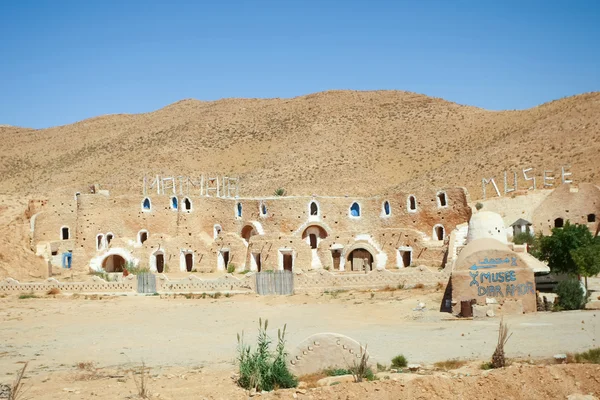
<point>60,332</point>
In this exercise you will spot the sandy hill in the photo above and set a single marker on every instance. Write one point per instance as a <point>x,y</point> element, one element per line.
<point>338,142</point>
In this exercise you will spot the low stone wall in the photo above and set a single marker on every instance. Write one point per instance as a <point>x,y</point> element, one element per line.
<point>94,285</point>
<point>304,282</point>
<point>311,282</point>
<point>128,284</point>
<point>193,284</point>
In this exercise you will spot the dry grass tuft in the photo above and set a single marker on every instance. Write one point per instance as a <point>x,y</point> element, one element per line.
<point>450,364</point>
<point>16,390</point>
<point>419,286</point>
<point>53,291</point>
<point>141,376</point>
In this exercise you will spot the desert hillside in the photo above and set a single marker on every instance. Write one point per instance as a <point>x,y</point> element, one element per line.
<point>338,142</point>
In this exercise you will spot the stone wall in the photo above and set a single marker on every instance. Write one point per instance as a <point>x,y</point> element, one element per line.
<point>574,203</point>
<point>321,281</point>
<point>273,225</point>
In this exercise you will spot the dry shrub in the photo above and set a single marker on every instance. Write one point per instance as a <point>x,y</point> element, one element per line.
<point>419,286</point>
<point>85,366</point>
<point>141,376</point>
<point>449,364</point>
<point>16,390</point>
<point>53,291</point>
<point>499,358</point>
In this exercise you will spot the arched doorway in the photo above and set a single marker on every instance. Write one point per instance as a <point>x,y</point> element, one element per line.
<point>247,232</point>
<point>438,232</point>
<point>113,263</point>
<point>157,261</point>
<point>313,235</point>
<point>361,260</point>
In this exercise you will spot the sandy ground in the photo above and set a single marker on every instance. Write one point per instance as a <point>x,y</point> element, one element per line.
<point>197,337</point>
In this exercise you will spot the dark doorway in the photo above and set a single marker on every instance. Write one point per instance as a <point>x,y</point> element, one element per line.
<point>361,260</point>
<point>65,233</point>
<point>143,237</point>
<point>146,204</point>
<point>591,218</point>
<point>113,263</point>
<point>559,223</point>
<point>160,263</point>
<point>406,256</point>
<point>257,261</point>
<point>336,255</point>
<point>439,232</point>
<point>288,262</point>
<point>442,199</point>
<point>313,240</point>
<point>187,204</point>
<point>189,262</point>
<point>225,255</point>
<point>109,237</point>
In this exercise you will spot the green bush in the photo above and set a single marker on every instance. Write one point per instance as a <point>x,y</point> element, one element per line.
<point>590,356</point>
<point>279,192</point>
<point>337,372</point>
<point>230,268</point>
<point>262,369</point>
<point>478,206</point>
<point>570,294</point>
<point>524,238</point>
<point>399,361</point>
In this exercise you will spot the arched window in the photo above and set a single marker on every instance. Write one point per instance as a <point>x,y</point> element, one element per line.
<point>99,241</point>
<point>64,233</point>
<point>142,236</point>
<point>439,232</point>
<point>355,210</point>
<point>591,218</point>
<point>109,238</point>
<point>239,210</point>
<point>174,203</point>
<point>386,208</point>
<point>441,199</point>
<point>314,208</point>
<point>263,209</point>
<point>187,204</point>
<point>559,223</point>
<point>216,230</point>
<point>411,203</point>
<point>146,206</point>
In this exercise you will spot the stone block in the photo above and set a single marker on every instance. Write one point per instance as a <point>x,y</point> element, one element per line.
<point>512,307</point>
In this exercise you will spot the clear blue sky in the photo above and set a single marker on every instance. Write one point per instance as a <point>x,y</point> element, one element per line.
<point>62,60</point>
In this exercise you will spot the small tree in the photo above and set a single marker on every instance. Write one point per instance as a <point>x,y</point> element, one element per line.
<point>557,249</point>
<point>587,259</point>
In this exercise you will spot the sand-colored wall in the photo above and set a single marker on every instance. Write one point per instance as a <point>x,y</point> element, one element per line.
<point>492,273</point>
<point>282,227</point>
<point>569,202</point>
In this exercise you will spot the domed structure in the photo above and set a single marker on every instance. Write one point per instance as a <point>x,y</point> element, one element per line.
<point>486,224</point>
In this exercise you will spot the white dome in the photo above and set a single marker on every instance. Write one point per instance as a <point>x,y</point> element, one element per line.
<point>486,224</point>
